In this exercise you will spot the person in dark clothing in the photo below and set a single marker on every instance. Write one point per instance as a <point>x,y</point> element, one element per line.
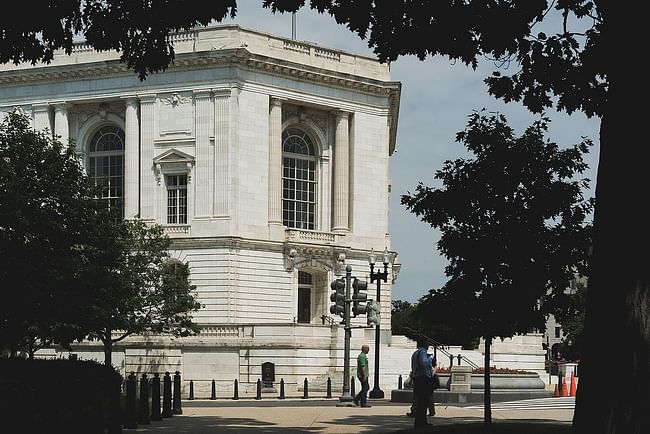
<point>422,381</point>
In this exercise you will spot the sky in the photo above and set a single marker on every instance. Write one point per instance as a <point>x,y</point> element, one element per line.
<point>437,98</point>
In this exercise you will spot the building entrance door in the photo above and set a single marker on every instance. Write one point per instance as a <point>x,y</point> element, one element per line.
<point>304,305</point>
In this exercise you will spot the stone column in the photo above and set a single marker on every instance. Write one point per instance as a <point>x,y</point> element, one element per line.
<point>147,175</point>
<point>221,140</point>
<point>341,173</point>
<point>204,163</point>
<point>131,159</point>
<point>61,126</point>
<point>275,162</point>
<point>41,117</point>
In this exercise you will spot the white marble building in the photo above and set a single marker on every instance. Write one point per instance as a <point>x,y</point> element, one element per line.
<point>266,159</point>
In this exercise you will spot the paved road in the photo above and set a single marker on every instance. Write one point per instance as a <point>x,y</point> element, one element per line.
<point>324,416</point>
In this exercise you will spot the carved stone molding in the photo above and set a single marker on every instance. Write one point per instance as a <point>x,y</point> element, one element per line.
<point>326,258</point>
<point>176,99</point>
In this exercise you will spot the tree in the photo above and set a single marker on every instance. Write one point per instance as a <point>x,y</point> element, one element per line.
<point>570,314</point>
<point>48,216</point>
<point>402,317</point>
<point>513,227</point>
<point>139,30</point>
<point>141,289</point>
<point>575,69</point>
<point>433,316</point>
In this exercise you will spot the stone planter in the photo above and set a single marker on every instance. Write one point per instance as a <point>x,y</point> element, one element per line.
<point>504,387</point>
<point>501,381</point>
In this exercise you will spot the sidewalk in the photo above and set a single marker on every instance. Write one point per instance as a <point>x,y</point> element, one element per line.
<point>323,416</point>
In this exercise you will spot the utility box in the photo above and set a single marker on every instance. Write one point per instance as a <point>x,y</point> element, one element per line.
<point>461,379</point>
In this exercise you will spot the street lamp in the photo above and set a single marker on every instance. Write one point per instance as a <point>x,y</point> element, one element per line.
<point>377,276</point>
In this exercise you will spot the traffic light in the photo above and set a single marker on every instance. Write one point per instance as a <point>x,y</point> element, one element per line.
<point>338,297</point>
<point>358,308</point>
<point>374,312</point>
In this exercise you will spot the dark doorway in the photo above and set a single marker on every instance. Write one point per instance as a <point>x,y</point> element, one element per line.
<point>304,305</point>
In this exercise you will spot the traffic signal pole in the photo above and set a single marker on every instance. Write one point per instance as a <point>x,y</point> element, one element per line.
<point>346,398</point>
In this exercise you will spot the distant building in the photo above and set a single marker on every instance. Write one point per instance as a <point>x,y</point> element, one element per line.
<point>267,161</point>
<point>554,335</point>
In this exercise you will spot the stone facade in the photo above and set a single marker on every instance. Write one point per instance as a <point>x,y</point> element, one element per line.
<point>266,160</point>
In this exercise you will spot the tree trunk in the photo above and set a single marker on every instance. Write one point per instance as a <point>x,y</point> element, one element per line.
<point>617,322</point>
<point>487,401</point>
<point>108,349</point>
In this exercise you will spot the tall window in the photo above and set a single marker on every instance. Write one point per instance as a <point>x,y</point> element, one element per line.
<point>177,199</point>
<point>106,166</point>
<point>298,179</point>
<point>305,285</point>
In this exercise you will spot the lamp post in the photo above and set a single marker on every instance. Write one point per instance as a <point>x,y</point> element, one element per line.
<point>377,276</point>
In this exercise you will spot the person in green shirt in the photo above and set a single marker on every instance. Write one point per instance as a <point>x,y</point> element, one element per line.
<point>362,374</point>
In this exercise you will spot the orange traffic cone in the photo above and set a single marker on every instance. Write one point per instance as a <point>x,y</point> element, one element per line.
<point>556,392</point>
<point>565,392</point>
<point>572,390</point>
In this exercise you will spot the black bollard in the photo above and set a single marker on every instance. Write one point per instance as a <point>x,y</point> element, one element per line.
<point>191,397</point>
<point>176,405</point>
<point>281,388</point>
<point>235,392</point>
<point>214,390</point>
<point>155,398</point>
<point>115,420</point>
<point>305,389</point>
<point>167,396</point>
<point>399,381</point>
<point>143,410</point>
<point>459,357</point>
<point>352,391</point>
<point>131,421</point>
<point>258,395</point>
<point>451,361</point>
<point>329,388</point>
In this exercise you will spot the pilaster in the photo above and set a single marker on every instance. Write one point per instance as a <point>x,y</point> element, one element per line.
<point>41,113</point>
<point>61,126</point>
<point>131,158</point>
<point>341,173</point>
<point>221,157</point>
<point>204,163</point>
<point>275,162</point>
<point>147,175</point>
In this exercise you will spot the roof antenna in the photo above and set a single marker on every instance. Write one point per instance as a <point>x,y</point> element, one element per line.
<point>293,26</point>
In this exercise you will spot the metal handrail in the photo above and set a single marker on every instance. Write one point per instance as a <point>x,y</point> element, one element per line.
<point>437,346</point>
<point>328,319</point>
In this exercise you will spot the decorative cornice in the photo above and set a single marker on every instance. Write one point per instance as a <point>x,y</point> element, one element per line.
<point>228,57</point>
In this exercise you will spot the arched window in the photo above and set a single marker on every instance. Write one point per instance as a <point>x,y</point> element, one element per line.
<point>298,179</point>
<point>106,165</point>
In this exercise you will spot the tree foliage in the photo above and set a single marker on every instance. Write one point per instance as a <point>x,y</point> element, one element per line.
<point>436,320</point>
<point>138,29</point>
<point>70,268</point>
<point>142,289</point>
<point>48,217</point>
<point>513,228</point>
<point>569,312</point>
<point>512,221</point>
<point>573,67</point>
<point>566,69</point>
